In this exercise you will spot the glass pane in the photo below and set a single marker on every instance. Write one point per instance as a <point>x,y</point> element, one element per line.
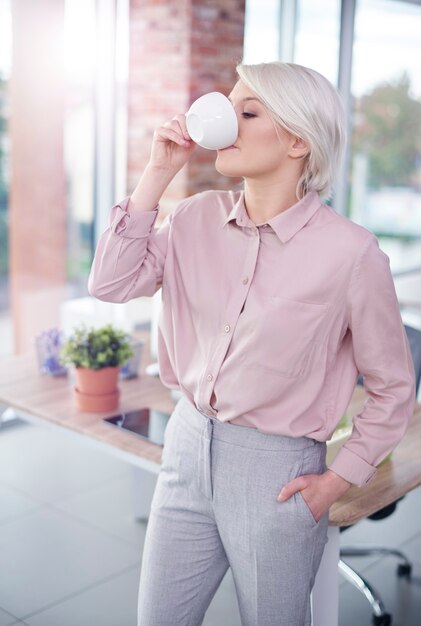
<point>317,36</point>
<point>53,247</point>
<point>79,128</point>
<point>5,65</point>
<point>261,33</point>
<point>386,138</point>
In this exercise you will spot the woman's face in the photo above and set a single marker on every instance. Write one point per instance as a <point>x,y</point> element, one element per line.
<point>262,149</point>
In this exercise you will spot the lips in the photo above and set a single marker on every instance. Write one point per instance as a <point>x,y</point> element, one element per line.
<point>228,148</point>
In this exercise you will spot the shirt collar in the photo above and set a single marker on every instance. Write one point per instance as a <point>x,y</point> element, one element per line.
<point>239,213</point>
<point>287,223</point>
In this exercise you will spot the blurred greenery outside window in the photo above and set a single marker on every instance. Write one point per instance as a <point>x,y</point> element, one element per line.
<point>385,173</point>
<point>384,178</point>
<point>384,182</point>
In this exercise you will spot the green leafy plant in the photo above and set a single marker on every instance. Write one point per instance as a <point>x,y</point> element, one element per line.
<point>96,348</point>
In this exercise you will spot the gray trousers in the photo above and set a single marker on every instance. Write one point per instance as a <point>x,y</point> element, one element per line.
<point>215,507</point>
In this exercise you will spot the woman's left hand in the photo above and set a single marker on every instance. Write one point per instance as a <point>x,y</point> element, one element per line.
<point>319,491</point>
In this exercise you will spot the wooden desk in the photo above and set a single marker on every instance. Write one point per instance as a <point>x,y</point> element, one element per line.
<point>49,401</point>
<point>394,477</point>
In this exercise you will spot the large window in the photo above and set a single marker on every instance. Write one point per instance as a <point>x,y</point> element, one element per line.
<point>5,63</point>
<point>382,185</point>
<point>81,113</point>
<point>317,36</point>
<point>386,137</point>
<point>5,67</point>
<point>261,32</point>
<point>79,135</point>
<point>303,31</point>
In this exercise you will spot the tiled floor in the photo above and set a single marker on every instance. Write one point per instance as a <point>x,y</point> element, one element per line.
<point>70,549</point>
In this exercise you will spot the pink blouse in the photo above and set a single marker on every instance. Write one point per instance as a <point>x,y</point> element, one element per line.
<point>268,326</point>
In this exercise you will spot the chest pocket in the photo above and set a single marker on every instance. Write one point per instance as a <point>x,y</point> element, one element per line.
<point>284,335</point>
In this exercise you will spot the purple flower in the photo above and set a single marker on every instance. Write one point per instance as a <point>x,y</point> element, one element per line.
<point>48,347</point>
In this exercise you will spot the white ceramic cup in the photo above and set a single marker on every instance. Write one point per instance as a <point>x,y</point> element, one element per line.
<point>212,122</point>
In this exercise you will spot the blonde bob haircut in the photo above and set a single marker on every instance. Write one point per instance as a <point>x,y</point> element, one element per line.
<point>307,105</point>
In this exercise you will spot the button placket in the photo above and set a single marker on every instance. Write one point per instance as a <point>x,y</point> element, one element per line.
<point>232,312</point>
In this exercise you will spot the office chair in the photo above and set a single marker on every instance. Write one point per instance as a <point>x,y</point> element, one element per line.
<point>380,617</point>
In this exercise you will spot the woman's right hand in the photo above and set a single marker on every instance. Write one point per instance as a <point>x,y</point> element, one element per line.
<point>172,145</point>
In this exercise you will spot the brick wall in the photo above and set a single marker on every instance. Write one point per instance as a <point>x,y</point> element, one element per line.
<point>37,186</point>
<point>179,51</point>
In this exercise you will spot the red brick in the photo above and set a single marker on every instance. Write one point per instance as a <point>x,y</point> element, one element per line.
<point>179,51</point>
<point>38,212</point>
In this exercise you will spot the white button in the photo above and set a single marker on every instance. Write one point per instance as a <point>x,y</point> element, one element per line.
<point>227,328</point>
<point>209,377</point>
<point>245,281</point>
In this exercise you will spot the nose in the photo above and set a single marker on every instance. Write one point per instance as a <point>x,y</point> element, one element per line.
<point>239,119</point>
<point>236,111</point>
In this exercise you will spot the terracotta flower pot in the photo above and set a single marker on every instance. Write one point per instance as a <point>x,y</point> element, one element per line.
<point>89,403</point>
<point>96,390</point>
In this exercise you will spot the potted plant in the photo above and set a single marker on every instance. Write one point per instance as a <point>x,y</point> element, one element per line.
<point>96,355</point>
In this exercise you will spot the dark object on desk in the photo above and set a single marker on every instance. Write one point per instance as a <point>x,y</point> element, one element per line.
<point>380,617</point>
<point>147,423</point>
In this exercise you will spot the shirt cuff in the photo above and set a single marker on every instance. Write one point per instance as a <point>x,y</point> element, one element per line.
<point>352,468</point>
<point>133,225</point>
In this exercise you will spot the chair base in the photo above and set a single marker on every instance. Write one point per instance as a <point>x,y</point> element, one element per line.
<point>380,617</point>
<point>404,568</point>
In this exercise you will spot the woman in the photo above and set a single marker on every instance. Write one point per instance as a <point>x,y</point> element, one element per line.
<point>272,303</point>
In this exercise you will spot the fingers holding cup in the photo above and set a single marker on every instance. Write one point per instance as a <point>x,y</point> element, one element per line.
<point>180,120</point>
<point>172,131</point>
<point>170,150</point>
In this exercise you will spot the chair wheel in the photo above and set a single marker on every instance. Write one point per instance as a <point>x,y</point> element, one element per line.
<point>382,620</point>
<point>404,570</point>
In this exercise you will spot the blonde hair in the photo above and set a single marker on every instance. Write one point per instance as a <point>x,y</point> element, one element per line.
<point>307,105</point>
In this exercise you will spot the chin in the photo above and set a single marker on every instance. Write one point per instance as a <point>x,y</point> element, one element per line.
<point>228,173</point>
<point>228,169</point>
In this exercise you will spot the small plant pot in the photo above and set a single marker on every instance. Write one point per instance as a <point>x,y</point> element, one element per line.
<point>96,390</point>
<point>96,382</point>
<point>93,403</point>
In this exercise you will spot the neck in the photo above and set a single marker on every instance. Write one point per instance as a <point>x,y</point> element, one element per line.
<point>265,200</point>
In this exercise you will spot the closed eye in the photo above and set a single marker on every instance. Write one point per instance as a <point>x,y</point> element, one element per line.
<point>248,115</point>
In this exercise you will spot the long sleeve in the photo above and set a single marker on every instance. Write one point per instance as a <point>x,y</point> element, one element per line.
<point>383,357</point>
<point>130,255</point>
<point>258,334</point>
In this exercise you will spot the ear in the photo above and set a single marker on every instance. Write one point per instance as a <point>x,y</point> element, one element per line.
<point>298,148</point>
